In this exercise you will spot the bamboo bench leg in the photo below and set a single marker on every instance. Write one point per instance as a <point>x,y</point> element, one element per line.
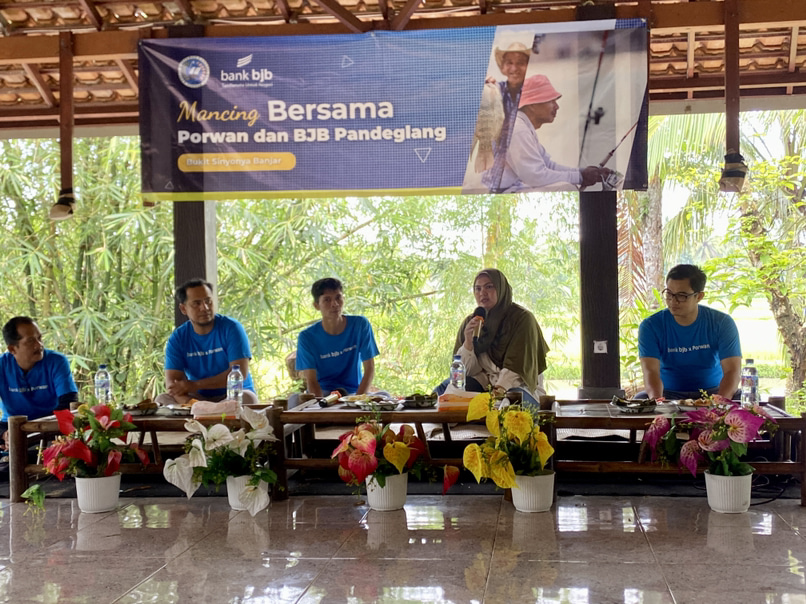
<point>17,458</point>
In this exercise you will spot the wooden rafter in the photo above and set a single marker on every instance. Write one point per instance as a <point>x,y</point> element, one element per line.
<point>404,16</point>
<point>342,14</point>
<point>127,67</point>
<point>284,9</point>
<point>187,9</point>
<point>92,14</point>
<point>33,74</point>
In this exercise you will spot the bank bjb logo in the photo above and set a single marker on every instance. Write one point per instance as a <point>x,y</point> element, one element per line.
<point>193,71</point>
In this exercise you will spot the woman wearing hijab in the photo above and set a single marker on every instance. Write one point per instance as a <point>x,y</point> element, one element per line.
<point>510,352</point>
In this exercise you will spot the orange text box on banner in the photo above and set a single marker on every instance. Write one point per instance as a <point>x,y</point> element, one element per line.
<point>236,162</point>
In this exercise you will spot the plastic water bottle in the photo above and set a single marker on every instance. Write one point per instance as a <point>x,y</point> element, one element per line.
<point>458,372</point>
<point>103,385</point>
<point>749,384</point>
<point>235,385</point>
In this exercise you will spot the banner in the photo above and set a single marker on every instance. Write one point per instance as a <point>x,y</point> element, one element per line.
<point>395,113</point>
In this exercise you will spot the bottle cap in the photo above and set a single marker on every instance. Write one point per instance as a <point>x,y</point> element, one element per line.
<point>457,357</point>
<point>748,360</point>
<point>236,366</point>
<point>101,366</point>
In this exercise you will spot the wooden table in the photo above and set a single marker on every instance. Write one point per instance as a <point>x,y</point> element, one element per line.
<point>789,445</point>
<point>20,429</point>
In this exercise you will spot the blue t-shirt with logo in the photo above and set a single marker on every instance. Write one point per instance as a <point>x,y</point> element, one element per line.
<point>203,356</point>
<point>337,359</point>
<point>36,393</point>
<point>689,355</point>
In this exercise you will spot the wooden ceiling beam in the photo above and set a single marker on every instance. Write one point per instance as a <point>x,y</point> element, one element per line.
<point>187,9</point>
<point>285,10</point>
<point>717,82</point>
<point>342,14</point>
<point>33,74</point>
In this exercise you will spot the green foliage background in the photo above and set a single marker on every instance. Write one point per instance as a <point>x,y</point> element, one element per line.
<point>100,284</point>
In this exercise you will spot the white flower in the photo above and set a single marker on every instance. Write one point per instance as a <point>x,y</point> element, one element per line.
<point>179,472</point>
<point>196,427</point>
<point>261,429</point>
<point>196,455</point>
<point>218,436</point>
<point>254,498</point>
<point>239,442</point>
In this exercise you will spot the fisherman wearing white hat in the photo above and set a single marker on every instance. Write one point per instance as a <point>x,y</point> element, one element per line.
<point>512,61</point>
<point>528,165</point>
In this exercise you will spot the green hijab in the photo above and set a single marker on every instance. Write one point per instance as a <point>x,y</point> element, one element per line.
<point>510,335</point>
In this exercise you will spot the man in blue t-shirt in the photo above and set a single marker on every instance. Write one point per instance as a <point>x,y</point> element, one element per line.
<point>337,352</point>
<point>201,351</point>
<point>687,347</point>
<point>34,381</point>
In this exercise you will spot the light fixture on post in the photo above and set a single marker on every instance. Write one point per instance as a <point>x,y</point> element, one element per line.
<point>64,206</point>
<point>733,174</point>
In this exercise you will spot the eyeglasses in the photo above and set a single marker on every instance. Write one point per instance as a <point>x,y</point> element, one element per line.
<point>680,297</point>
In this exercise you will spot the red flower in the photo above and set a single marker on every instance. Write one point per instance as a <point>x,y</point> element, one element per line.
<point>76,449</point>
<point>449,478</point>
<point>113,462</point>
<point>65,417</point>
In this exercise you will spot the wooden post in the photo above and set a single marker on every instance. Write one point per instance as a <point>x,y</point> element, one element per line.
<point>277,464</point>
<point>17,457</point>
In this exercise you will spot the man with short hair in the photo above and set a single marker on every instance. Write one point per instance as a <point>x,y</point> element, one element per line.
<point>688,347</point>
<point>34,381</point>
<point>201,351</point>
<point>337,352</point>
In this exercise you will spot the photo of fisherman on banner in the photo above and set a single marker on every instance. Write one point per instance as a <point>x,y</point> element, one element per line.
<point>548,119</point>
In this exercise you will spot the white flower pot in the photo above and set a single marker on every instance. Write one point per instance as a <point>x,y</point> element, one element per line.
<point>392,496</point>
<point>236,484</point>
<point>533,493</point>
<point>98,494</point>
<point>728,494</point>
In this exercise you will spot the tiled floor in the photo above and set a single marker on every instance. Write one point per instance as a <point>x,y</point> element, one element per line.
<point>457,548</point>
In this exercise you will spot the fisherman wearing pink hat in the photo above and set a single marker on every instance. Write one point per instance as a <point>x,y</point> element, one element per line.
<point>528,165</point>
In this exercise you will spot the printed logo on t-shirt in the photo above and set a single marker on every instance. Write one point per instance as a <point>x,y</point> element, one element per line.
<point>337,353</point>
<point>204,353</point>
<point>29,389</point>
<point>688,348</point>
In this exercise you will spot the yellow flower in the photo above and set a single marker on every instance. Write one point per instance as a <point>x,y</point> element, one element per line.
<point>397,454</point>
<point>493,424</point>
<point>474,461</point>
<point>479,406</point>
<point>544,449</point>
<point>501,470</point>
<point>518,424</point>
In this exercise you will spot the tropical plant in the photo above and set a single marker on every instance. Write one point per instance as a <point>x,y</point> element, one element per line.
<point>372,449</point>
<point>215,453</point>
<point>90,445</point>
<point>517,445</point>
<point>717,434</point>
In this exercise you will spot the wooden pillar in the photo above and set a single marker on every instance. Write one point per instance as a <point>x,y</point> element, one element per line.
<point>732,87</point>
<point>598,269</point>
<point>66,108</point>
<point>195,253</point>
<point>17,457</point>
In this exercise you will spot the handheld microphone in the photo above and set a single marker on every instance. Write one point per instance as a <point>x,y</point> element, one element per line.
<point>479,312</point>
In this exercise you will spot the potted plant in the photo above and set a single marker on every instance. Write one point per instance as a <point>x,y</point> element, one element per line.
<point>716,435</point>
<point>515,454</point>
<point>222,454</point>
<point>375,455</point>
<point>93,444</point>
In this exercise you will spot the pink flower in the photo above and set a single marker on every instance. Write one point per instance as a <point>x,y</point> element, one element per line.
<point>707,442</point>
<point>657,429</point>
<point>704,416</point>
<point>743,426</point>
<point>113,462</point>
<point>690,456</point>
<point>362,464</point>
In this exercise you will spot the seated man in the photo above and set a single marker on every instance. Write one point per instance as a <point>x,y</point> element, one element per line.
<point>34,381</point>
<point>688,347</point>
<point>337,352</point>
<point>201,351</point>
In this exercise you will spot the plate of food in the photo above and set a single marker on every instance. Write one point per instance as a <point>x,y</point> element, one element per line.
<point>634,406</point>
<point>144,407</point>
<point>420,401</point>
<point>354,400</point>
<point>380,405</point>
<point>692,404</point>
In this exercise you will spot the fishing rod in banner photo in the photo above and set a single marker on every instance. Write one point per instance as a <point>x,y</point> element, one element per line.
<point>471,110</point>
